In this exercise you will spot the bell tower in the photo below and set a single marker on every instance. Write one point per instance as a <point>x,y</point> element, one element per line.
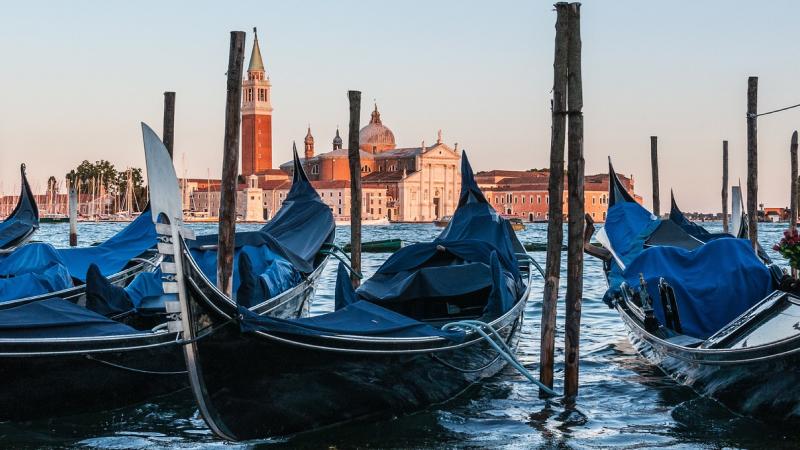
<point>256,116</point>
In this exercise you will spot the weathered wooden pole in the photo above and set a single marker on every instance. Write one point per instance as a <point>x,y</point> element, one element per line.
<point>555,189</point>
<point>793,199</point>
<point>354,157</point>
<point>577,222</point>
<point>168,135</point>
<point>654,167</point>
<point>73,216</point>
<point>230,164</point>
<point>752,161</point>
<point>725,186</point>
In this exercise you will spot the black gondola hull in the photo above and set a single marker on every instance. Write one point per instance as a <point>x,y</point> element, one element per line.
<point>757,381</point>
<point>254,385</point>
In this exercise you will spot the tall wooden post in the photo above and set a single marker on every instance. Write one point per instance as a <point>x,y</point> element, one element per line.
<point>230,165</point>
<point>654,167</point>
<point>555,189</point>
<point>725,186</point>
<point>73,216</point>
<point>577,222</point>
<point>354,157</point>
<point>793,193</point>
<point>752,160</point>
<point>168,134</point>
<point>793,199</point>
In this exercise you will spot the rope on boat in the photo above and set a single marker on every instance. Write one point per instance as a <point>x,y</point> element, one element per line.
<point>332,251</point>
<point>501,347</point>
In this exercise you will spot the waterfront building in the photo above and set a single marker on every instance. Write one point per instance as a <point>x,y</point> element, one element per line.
<point>524,194</point>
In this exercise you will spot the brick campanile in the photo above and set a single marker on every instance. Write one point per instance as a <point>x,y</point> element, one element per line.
<point>256,117</point>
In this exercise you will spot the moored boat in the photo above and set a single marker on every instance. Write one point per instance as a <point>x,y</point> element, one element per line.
<point>710,312</point>
<point>381,246</point>
<point>401,342</point>
<point>442,221</point>
<point>23,221</point>
<point>59,358</point>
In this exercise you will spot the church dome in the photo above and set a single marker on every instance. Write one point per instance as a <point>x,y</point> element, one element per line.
<point>376,137</point>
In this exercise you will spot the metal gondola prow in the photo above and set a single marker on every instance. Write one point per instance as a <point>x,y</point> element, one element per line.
<point>168,216</point>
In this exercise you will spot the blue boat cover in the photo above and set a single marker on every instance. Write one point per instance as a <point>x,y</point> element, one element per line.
<point>357,319</point>
<point>713,283</point>
<point>56,318</point>
<point>298,230</point>
<point>22,220</point>
<point>32,269</point>
<point>472,259</point>
<point>114,254</point>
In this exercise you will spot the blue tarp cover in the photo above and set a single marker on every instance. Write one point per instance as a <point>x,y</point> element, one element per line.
<point>298,230</point>
<point>357,319</point>
<point>32,269</point>
<point>713,284</point>
<point>114,254</point>
<point>56,318</point>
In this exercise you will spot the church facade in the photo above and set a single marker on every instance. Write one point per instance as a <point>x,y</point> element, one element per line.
<point>420,183</point>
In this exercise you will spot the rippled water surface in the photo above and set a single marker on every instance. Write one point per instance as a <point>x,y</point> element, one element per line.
<point>623,401</point>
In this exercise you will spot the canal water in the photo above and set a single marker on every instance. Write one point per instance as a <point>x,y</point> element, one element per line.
<point>623,401</point>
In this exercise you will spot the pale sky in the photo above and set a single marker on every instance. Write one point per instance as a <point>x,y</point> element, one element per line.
<point>78,77</point>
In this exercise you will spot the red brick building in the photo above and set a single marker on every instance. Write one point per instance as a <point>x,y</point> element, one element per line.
<point>256,118</point>
<point>524,194</point>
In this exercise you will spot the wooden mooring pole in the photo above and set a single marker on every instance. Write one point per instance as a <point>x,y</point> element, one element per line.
<point>73,216</point>
<point>793,192</point>
<point>354,158</point>
<point>577,222</point>
<point>654,167</point>
<point>752,160</point>
<point>168,134</point>
<point>555,189</point>
<point>725,186</point>
<point>230,165</point>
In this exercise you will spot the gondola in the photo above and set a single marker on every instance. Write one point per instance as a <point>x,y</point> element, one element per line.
<point>23,221</point>
<point>712,314</point>
<point>405,340</point>
<point>60,358</point>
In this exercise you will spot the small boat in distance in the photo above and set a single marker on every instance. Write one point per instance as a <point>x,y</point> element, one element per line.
<point>23,221</point>
<point>516,223</point>
<point>442,221</point>
<point>706,308</point>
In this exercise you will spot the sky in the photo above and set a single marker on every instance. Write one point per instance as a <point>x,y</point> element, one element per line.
<point>77,77</point>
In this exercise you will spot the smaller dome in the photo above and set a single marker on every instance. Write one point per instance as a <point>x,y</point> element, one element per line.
<point>376,136</point>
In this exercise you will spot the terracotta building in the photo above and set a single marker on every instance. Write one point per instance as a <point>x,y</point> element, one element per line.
<point>524,194</point>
